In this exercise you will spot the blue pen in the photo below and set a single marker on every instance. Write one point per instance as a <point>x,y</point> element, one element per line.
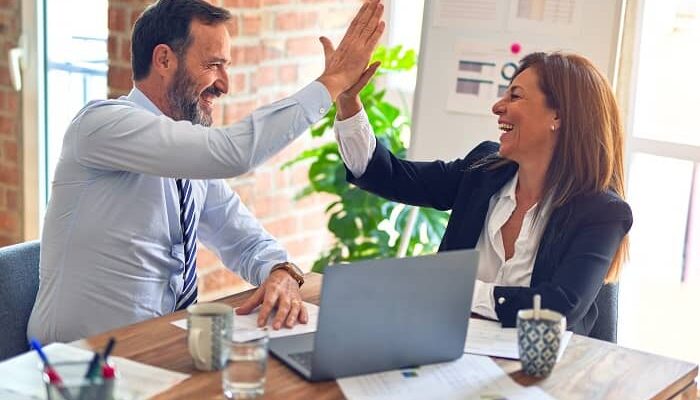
<point>54,378</point>
<point>37,346</point>
<point>109,348</point>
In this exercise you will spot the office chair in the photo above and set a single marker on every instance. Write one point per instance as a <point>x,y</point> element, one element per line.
<point>605,327</point>
<point>19,282</point>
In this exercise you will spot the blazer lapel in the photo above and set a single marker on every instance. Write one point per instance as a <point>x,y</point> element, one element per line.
<point>469,212</point>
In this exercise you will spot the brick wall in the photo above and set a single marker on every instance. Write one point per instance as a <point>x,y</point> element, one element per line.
<point>275,52</point>
<point>10,130</point>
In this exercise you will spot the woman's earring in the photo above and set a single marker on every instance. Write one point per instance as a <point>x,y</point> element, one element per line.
<point>552,128</point>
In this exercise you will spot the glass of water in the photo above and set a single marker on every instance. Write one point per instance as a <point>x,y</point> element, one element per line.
<point>243,377</point>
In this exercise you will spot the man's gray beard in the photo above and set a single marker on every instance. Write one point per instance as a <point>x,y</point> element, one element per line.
<point>184,100</point>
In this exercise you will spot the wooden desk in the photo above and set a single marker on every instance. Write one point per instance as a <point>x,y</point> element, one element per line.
<point>589,369</point>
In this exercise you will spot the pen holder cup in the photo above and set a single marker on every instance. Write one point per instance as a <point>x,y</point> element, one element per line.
<point>74,385</point>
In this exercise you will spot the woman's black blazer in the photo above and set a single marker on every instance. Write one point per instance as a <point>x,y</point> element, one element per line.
<point>576,248</point>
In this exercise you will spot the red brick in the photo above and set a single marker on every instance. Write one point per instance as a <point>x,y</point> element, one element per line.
<point>335,19</point>
<point>12,200</point>
<point>288,74</point>
<point>237,83</point>
<point>234,112</point>
<point>9,221</point>
<point>245,192</point>
<point>251,25</point>
<point>7,126</point>
<point>5,76</point>
<point>266,3</point>
<point>12,104</point>
<point>135,14</point>
<point>273,49</point>
<point>218,115</point>
<point>233,27</point>
<point>219,279</point>
<point>8,239</point>
<point>289,21</point>
<point>9,151</point>
<point>264,182</point>
<point>241,3</point>
<point>9,176</point>
<point>125,54</point>
<point>300,176</point>
<point>271,205</point>
<point>303,46</point>
<point>117,19</point>
<point>265,76</point>
<point>113,46</point>
<point>245,55</point>
<point>119,78</point>
<point>279,228</point>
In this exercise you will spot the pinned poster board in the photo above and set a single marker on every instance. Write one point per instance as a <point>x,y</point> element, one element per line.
<point>471,48</point>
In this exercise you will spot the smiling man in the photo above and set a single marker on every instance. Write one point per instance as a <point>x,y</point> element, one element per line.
<point>139,180</point>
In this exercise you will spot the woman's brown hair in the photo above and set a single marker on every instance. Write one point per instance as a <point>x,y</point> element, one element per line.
<point>588,154</point>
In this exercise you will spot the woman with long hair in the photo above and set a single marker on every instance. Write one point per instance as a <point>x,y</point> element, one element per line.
<point>545,207</point>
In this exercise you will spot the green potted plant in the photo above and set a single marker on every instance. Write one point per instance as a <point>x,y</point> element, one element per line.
<point>364,225</point>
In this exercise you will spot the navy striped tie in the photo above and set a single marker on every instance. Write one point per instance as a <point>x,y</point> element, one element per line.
<point>189,236</point>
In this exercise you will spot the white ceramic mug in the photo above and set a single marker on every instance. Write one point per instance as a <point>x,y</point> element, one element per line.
<point>209,327</point>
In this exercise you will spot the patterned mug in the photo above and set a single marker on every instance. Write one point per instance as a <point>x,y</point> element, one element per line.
<point>209,328</point>
<point>539,340</point>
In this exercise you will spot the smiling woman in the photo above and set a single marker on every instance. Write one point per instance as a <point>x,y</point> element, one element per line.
<point>545,208</point>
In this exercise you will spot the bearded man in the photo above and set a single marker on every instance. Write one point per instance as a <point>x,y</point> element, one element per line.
<point>140,179</point>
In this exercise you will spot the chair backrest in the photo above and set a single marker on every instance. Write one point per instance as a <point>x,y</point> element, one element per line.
<point>19,282</point>
<point>605,327</point>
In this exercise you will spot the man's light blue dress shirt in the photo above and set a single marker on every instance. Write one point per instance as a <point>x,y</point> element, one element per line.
<point>112,248</point>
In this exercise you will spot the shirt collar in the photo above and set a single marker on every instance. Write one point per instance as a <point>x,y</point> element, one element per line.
<point>137,96</point>
<point>508,190</point>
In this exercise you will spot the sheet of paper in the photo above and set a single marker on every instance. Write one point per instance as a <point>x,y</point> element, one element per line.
<point>470,377</point>
<point>490,339</point>
<point>250,321</point>
<point>480,74</point>
<point>469,14</point>
<point>22,376</point>
<point>544,16</point>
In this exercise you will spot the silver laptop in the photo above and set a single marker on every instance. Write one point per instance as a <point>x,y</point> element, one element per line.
<point>386,314</point>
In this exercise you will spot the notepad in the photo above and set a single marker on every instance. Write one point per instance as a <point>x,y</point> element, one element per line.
<point>22,377</point>
<point>488,338</point>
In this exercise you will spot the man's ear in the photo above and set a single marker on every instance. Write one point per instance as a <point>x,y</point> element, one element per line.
<point>164,60</point>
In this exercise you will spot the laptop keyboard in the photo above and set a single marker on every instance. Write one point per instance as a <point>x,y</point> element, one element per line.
<point>303,359</point>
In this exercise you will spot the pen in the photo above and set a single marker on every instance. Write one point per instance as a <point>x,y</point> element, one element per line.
<point>92,368</point>
<point>54,377</point>
<point>109,348</point>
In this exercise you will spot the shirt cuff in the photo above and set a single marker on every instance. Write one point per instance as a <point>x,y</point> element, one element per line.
<point>350,125</point>
<point>314,100</point>
<point>483,302</point>
<point>356,142</point>
<point>264,272</point>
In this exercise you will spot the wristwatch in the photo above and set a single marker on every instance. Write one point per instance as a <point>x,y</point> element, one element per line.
<point>295,272</point>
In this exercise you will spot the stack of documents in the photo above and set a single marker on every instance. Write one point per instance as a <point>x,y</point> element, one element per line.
<point>22,376</point>
<point>489,339</point>
<point>470,377</point>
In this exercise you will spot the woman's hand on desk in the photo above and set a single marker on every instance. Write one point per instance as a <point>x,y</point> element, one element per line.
<point>282,291</point>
